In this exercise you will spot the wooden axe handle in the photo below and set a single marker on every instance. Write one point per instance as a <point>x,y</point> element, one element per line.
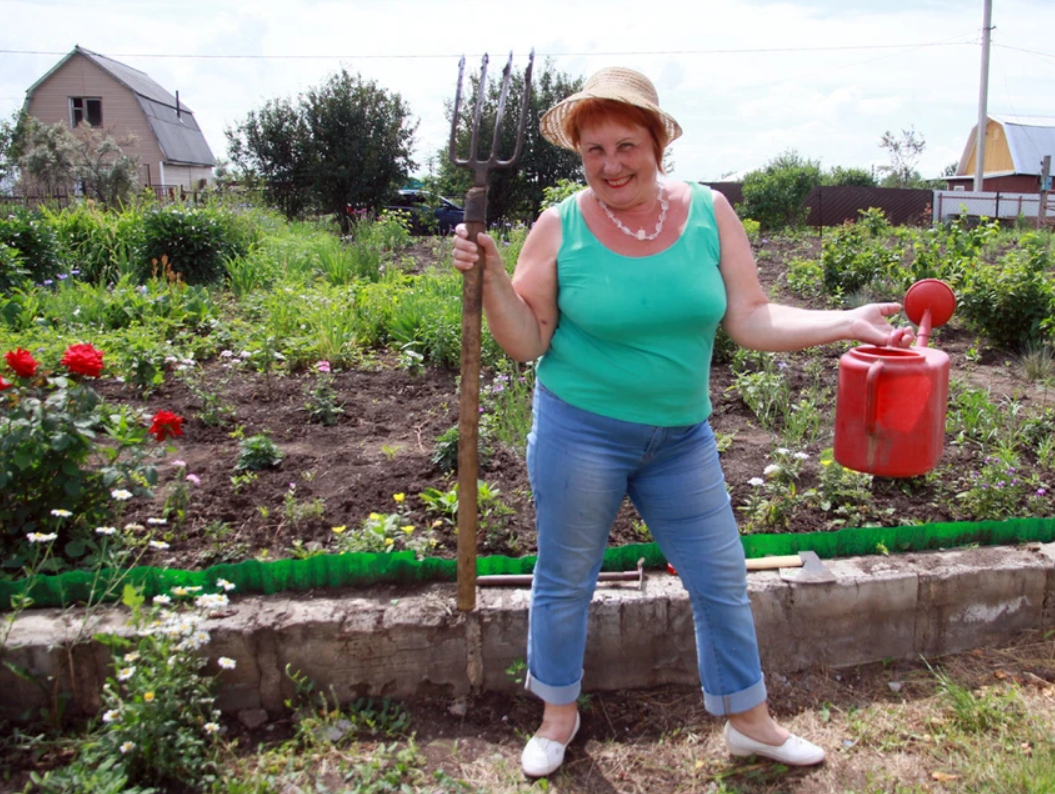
<point>768,563</point>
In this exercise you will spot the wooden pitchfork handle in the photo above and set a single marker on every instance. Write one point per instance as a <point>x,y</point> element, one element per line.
<point>472,311</point>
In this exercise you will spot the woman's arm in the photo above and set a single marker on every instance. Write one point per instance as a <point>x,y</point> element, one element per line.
<point>753,322</point>
<point>521,312</point>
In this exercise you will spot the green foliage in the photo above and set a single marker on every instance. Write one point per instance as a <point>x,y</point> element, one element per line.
<point>999,490</point>
<point>552,195</point>
<point>57,158</point>
<point>806,278</point>
<point>258,452</point>
<point>26,232</point>
<point>12,272</point>
<point>774,195</point>
<point>344,143</point>
<point>904,151</point>
<point>1010,299</point>
<point>105,776</point>
<point>445,450</point>
<point>506,400</point>
<point>518,193</point>
<point>194,242</point>
<point>62,451</point>
<point>859,255</point>
<point>158,714</point>
<point>322,405</point>
<point>765,391</point>
<point>858,177</point>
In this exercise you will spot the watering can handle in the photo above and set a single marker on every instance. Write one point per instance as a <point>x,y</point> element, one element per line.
<point>872,396</point>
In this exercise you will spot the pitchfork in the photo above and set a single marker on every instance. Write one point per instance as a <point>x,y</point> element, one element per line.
<point>472,309</point>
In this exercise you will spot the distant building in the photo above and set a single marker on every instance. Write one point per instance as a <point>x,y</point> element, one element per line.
<point>1014,149</point>
<point>87,86</point>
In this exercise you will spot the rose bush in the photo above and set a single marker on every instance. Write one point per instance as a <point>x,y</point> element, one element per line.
<point>63,451</point>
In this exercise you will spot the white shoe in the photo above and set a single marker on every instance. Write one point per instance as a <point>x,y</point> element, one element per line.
<point>543,756</point>
<point>795,751</point>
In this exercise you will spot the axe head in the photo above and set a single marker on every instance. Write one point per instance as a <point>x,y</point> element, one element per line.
<point>813,571</point>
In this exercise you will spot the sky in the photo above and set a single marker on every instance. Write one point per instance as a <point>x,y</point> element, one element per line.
<point>747,80</point>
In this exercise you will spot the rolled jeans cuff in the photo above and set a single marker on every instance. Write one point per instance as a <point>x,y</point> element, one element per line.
<point>737,702</point>
<point>557,695</point>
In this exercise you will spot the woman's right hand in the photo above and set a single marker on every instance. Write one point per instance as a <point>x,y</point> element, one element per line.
<point>467,254</point>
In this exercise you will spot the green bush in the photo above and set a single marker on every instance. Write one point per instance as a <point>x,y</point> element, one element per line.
<point>258,452</point>
<point>1010,300</point>
<point>26,232</point>
<point>193,243</point>
<point>774,195</point>
<point>12,271</point>
<point>853,257</point>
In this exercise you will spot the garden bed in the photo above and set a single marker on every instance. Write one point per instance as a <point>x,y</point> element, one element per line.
<point>384,442</point>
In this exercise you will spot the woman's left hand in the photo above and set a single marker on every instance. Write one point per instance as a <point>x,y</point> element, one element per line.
<point>870,325</point>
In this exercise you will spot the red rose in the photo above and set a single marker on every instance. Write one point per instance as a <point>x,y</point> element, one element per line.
<point>4,384</point>
<point>22,362</point>
<point>166,424</point>
<point>83,360</point>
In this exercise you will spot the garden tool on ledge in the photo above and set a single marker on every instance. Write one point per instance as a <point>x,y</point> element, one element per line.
<point>472,308</point>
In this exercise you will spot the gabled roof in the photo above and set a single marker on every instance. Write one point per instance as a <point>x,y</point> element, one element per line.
<point>1029,138</point>
<point>179,136</point>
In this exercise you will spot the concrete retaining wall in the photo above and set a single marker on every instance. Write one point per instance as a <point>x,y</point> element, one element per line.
<point>391,642</point>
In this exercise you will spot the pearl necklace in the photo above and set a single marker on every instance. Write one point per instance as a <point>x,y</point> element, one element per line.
<point>664,205</point>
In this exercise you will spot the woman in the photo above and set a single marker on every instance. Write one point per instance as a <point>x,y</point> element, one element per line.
<point>620,290</point>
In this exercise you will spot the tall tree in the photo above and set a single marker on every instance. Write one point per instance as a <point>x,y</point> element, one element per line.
<point>347,141</point>
<point>12,143</point>
<point>359,144</point>
<point>514,194</point>
<point>904,151</point>
<point>271,145</point>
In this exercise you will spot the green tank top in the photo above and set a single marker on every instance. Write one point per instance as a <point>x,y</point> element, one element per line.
<point>634,335</point>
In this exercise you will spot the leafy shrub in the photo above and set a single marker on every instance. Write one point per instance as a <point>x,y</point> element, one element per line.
<point>26,232</point>
<point>853,258</point>
<point>774,195</point>
<point>445,450</point>
<point>258,452</point>
<point>12,271</point>
<point>62,451</point>
<point>1009,300</point>
<point>196,243</point>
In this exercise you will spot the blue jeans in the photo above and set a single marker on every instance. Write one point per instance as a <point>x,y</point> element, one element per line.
<point>581,466</point>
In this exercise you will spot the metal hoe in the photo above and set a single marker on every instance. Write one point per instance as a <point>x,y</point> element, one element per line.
<point>472,309</point>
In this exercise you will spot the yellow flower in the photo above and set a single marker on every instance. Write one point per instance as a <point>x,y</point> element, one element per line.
<point>340,529</point>
<point>399,497</point>
<point>389,541</point>
<point>375,516</point>
<point>437,523</point>
<point>408,528</point>
<point>148,697</point>
<point>827,462</point>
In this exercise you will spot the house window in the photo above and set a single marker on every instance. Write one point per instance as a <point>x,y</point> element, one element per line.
<point>88,109</point>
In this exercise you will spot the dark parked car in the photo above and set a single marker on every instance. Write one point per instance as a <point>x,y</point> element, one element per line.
<point>428,213</point>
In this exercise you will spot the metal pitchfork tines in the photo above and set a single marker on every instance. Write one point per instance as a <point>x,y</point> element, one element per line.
<point>472,308</point>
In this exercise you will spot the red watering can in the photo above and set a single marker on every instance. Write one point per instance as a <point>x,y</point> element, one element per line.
<point>890,407</point>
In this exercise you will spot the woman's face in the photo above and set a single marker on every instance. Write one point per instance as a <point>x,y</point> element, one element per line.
<point>619,163</point>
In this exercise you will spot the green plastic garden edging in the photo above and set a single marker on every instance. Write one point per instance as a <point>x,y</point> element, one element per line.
<point>344,570</point>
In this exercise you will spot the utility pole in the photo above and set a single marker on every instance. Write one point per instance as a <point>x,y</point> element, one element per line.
<point>983,93</point>
<point>1045,188</point>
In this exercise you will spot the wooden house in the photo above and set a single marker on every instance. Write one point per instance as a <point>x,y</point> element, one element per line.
<point>87,86</point>
<point>1014,149</point>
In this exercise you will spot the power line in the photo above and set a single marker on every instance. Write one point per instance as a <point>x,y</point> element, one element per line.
<point>406,56</point>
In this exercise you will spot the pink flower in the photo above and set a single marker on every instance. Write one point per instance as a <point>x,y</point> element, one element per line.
<point>194,478</point>
<point>323,366</point>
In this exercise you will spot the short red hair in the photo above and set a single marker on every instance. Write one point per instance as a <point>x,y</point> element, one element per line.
<point>592,111</point>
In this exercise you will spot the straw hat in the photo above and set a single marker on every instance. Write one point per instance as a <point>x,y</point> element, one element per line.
<point>613,82</point>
